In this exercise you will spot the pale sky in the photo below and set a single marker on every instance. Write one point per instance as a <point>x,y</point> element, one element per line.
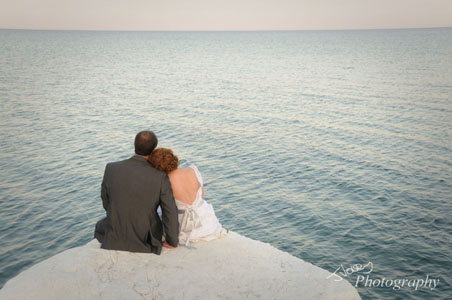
<point>224,15</point>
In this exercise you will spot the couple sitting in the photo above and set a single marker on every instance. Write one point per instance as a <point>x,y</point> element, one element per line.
<point>138,195</point>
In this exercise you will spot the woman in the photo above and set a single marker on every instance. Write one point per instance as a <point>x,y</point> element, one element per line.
<point>197,220</point>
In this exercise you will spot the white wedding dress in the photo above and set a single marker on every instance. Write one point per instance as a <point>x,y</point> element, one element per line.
<point>198,220</point>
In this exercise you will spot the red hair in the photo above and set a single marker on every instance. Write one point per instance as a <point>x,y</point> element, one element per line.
<point>163,159</point>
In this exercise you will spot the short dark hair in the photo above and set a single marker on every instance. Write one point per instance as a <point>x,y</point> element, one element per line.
<point>145,142</point>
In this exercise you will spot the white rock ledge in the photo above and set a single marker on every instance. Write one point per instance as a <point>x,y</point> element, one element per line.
<point>233,267</point>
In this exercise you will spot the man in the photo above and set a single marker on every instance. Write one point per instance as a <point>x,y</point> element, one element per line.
<point>131,192</point>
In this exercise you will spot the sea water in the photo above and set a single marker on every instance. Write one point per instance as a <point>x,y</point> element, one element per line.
<point>335,146</point>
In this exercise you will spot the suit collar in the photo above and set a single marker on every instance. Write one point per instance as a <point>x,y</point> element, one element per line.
<point>139,158</point>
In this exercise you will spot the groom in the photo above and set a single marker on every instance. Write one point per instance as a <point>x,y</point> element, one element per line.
<point>131,192</point>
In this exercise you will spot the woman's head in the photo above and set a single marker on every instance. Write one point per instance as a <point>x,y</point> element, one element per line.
<point>163,159</point>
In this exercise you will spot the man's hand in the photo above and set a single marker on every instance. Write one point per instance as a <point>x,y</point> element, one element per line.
<point>166,245</point>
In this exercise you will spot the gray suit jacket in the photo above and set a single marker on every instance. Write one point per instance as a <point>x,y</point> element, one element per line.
<point>131,192</point>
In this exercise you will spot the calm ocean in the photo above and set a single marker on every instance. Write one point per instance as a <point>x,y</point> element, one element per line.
<point>335,146</point>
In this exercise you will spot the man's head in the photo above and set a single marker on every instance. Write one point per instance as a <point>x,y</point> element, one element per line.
<point>145,142</point>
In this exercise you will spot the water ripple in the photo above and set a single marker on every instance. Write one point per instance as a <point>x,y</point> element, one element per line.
<point>333,146</point>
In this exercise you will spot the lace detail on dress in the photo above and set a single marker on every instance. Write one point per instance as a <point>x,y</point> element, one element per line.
<point>198,175</point>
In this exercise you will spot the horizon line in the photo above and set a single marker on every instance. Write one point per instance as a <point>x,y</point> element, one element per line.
<point>226,30</point>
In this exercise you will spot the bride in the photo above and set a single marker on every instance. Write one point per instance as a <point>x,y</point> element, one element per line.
<point>197,220</point>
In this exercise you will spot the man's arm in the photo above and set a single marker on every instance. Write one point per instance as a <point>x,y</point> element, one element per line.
<point>169,212</point>
<point>104,192</point>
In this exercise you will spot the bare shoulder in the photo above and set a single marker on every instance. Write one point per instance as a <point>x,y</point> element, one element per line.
<point>182,173</point>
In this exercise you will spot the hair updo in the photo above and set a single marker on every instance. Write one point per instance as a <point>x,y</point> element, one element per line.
<point>163,159</point>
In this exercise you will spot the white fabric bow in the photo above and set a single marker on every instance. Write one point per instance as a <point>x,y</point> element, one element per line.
<point>190,221</point>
